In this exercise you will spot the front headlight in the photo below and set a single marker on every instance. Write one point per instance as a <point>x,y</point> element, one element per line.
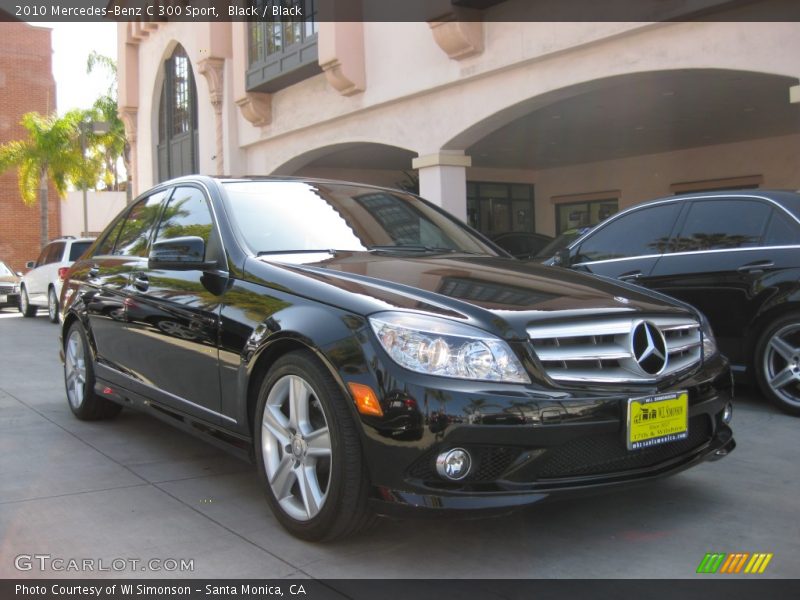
<point>442,347</point>
<point>709,341</point>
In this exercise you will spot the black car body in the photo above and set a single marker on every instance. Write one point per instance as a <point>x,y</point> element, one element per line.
<point>732,254</point>
<point>364,344</point>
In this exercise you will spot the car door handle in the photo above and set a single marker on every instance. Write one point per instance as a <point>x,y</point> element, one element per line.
<point>759,265</point>
<point>141,282</point>
<point>630,276</point>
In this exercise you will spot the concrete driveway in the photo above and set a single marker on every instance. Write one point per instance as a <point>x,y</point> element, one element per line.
<point>135,489</point>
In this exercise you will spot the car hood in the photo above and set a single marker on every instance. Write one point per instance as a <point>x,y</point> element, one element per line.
<point>497,294</point>
<point>9,279</point>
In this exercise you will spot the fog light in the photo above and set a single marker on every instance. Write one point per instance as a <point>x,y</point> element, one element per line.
<point>727,413</point>
<point>453,464</point>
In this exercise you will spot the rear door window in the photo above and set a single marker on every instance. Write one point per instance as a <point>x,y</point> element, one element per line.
<point>640,232</point>
<point>54,253</point>
<point>77,249</point>
<point>722,223</point>
<point>781,231</point>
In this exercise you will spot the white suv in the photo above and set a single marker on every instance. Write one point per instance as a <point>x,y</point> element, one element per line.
<point>41,286</point>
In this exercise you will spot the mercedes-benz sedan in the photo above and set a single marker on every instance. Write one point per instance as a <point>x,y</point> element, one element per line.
<point>373,354</point>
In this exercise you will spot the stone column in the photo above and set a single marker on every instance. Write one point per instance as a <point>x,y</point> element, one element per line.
<point>213,69</point>
<point>443,180</point>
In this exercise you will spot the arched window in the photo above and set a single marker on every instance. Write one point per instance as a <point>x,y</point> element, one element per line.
<point>177,118</point>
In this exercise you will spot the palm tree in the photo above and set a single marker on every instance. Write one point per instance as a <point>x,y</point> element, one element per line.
<point>113,144</point>
<point>50,151</point>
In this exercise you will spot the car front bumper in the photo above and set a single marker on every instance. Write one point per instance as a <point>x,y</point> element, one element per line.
<point>530,445</point>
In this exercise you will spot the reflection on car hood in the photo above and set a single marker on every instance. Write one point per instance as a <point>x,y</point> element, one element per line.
<point>478,289</point>
<point>9,279</point>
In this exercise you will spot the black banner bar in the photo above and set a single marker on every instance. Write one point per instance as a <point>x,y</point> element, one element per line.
<point>399,10</point>
<point>709,588</point>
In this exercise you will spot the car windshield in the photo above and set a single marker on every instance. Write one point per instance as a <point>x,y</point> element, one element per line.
<point>4,270</point>
<point>292,216</point>
<point>562,241</point>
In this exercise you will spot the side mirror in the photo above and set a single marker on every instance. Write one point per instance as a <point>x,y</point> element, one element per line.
<point>562,258</point>
<point>31,264</point>
<point>19,273</point>
<point>181,254</point>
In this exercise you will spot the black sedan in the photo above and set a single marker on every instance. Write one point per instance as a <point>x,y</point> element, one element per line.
<point>732,254</point>
<point>374,355</point>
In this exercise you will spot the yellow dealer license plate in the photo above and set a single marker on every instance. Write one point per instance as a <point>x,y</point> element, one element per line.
<point>657,419</point>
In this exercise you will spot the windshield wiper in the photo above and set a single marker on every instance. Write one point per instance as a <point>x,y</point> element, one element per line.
<point>330,251</point>
<point>413,248</point>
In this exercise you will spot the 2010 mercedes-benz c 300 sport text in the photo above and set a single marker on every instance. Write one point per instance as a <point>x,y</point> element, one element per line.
<point>373,355</point>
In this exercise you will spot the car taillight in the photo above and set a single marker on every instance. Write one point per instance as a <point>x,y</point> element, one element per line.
<point>62,273</point>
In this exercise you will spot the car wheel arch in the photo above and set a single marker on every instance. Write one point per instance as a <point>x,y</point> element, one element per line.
<point>769,313</point>
<point>266,355</point>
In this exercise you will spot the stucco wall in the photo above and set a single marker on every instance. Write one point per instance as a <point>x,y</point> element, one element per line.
<point>102,207</point>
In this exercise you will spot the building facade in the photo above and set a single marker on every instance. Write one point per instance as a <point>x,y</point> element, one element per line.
<point>26,85</point>
<point>513,126</point>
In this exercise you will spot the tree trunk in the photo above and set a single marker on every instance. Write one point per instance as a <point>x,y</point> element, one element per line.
<point>45,234</point>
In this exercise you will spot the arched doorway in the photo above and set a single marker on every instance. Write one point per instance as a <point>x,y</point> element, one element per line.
<point>177,118</point>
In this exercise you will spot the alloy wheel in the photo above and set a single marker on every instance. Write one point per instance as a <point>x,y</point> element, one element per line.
<point>52,306</point>
<point>781,365</point>
<point>75,369</point>
<point>296,447</point>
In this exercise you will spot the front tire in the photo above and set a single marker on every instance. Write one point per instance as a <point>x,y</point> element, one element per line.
<point>777,363</point>
<point>25,306</point>
<point>79,379</point>
<point>52,306</point>
<point>308,451</point>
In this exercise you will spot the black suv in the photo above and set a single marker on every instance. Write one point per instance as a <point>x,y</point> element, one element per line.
<point>373,355</point>
<point>735,255</point>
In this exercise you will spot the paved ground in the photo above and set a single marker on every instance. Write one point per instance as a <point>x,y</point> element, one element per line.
<point>135,488</point>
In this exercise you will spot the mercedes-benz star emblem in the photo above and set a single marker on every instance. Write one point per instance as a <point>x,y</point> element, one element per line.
<point>649,348</point>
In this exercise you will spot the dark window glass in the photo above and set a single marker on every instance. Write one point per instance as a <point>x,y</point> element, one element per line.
<point>54,253</point>
<point>638,233</point>
<point>781,231</point>
<point>720,224</point>
<point>187,213</point>
<point>106,245</point>
<point>42,255</point>
<point>135,234</point>
<point>77,249</point>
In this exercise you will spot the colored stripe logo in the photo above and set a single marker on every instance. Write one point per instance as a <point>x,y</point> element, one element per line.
<point>736,562</point>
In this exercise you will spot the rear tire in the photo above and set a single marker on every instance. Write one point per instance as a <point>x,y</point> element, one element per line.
<point>52,306</point>
<point>777,363</point>
<point>308,451</point>
<point>25,306</point>
<point>79,379</point>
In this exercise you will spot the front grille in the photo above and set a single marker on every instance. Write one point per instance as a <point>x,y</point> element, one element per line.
<point>601,350</point>
<point>6,288</point>
<point>607,454</point>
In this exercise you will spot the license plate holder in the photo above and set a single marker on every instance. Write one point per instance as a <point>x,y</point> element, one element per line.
<point>657,419</point>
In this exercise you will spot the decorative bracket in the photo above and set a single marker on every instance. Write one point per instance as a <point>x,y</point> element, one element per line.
<point>458,39</point>
<point>256,108</point>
